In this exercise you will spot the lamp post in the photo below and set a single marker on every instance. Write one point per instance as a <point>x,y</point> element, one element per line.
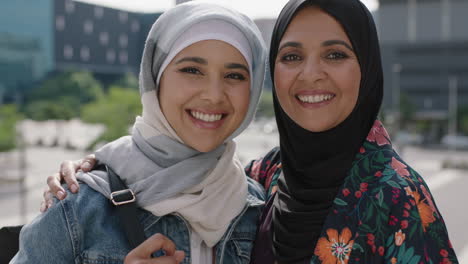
<point>452,105</point>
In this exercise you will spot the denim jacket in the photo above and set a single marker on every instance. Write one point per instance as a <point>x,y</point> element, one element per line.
<point>85,229</point>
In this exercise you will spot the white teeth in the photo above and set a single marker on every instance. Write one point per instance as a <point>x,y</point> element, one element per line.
<point>315,98</point>
<point>206,117</point>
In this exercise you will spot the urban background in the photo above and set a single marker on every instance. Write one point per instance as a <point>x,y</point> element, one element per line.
<point>68,83</point>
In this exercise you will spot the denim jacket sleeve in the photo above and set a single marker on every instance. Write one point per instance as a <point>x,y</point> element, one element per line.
<point>47,239</point>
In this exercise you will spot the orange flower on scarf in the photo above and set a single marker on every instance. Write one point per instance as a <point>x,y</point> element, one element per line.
<point>425,211</point>
<point>337,248</point>
<point>399,238</point>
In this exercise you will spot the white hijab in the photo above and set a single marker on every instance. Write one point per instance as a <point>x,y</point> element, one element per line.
<point>207,189</point>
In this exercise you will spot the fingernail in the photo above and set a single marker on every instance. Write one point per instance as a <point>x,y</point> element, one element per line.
<point>74,188</point>
<point>60,195</point>
<point>86,166</point>
<point>179,255</point>
<point>49,205</point>
<point>43,207</point>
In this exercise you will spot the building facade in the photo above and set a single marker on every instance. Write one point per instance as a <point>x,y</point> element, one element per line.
<point>425,57</point>
<point>38,37</point>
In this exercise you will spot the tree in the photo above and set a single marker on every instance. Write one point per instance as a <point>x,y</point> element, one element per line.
<point>117,111</point>
<point>9,115</point>
<point>128,80</point>
<point>62,96</point>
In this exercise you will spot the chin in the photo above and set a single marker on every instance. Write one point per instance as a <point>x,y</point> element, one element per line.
<point>205,147</point>
<point>316,126</point>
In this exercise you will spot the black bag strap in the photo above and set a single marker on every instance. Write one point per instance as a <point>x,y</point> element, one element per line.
<point>123,199</point>
<point>9,243</point>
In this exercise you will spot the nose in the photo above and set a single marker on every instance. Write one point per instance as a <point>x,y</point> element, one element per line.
<point>312,70</point>
<point>213,91</point>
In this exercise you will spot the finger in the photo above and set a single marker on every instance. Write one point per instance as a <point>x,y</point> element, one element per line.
<point>43,207</point>
<point>88,163</point>
<point>54,187</point>
<point>67,172</point>
<point>179,255</point>
<point>154,243</point>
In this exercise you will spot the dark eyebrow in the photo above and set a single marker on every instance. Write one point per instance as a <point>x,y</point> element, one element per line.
<point>193,59</point>
<point>236,66</point>
<point>290,44</point>
<point>337,42</point>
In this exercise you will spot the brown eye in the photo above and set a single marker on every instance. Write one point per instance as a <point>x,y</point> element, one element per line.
<point>190,70</point>
<point>336,55</point>
<point>290,57</point>
<point>236,76</point>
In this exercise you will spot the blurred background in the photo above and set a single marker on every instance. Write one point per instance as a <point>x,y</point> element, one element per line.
<point>68,84</point>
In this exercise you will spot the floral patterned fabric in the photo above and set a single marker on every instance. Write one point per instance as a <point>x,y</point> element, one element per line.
<point>383,213</point>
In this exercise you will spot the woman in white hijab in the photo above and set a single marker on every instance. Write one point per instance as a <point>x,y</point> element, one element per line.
<point>201,77</point>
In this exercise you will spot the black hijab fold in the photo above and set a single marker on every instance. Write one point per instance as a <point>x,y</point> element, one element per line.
<point>315,164</point>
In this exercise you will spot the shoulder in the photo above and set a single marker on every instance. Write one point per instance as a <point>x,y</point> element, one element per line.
<point>255,189</point>
<point>263,170</point>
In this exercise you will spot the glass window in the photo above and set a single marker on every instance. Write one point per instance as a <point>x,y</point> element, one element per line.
<point>69,6</point>
<point>123,40</point>
<point>135,26</point>
<point>110,56</point>
<point>85,53</point>
<point>123,17</point>
<point>98,12</point>
<point>123,57</point>
<point>60,23</point>
<point>68,52</point>
<point>88,27</point>
<point>104,38</point>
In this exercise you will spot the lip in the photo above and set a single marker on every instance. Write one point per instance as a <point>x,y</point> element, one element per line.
<point>313,93</point>
<point>207,125</point>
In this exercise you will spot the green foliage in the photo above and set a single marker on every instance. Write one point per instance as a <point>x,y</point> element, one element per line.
<point>62,96</point>
<point>265,106</point>
<point>9,115</point>
<point>64,108</point>
<point>116,110</point>
<point>128,80</point>
<point>407,110</point>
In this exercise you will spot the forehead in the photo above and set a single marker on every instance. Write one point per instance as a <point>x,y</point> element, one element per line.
<point>212,50</point>
<point>313,24</point>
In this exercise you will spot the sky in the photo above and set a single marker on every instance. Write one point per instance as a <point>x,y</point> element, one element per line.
<point>253,8</point>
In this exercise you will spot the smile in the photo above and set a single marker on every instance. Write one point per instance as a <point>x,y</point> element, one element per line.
<point>313,99</point>
<point>206,117</point>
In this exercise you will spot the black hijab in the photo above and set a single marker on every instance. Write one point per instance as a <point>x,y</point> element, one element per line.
<point>315,164</point>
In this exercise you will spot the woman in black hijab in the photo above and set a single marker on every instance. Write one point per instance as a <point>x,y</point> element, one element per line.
<point>338,192</point>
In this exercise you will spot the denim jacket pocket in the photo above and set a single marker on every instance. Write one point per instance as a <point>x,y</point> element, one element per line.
<point>98,257</point>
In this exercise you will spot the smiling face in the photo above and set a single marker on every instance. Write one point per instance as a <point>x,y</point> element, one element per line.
<point>317,74</point>
<point>204,93</point>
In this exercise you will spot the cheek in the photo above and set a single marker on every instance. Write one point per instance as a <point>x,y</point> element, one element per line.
<point>242,99</point>
<point>352,82</point>
<point>283,82</point>
<point>171,98</point>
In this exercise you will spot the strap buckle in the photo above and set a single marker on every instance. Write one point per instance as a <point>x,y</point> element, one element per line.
<point>122,197</point>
